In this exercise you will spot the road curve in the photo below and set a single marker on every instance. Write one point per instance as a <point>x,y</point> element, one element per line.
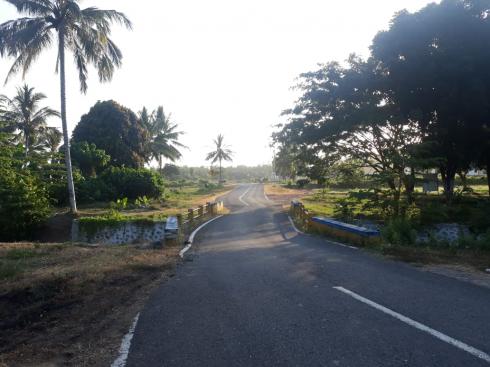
<point>257,293</point>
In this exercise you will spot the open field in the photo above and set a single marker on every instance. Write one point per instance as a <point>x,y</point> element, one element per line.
<point>177,200</point>
<point>63,304</point>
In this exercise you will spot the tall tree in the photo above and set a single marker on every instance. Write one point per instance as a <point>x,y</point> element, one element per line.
<point>436,66</point>
<point>23,113</point>
<point>84,32</point>
<point>163,135</point>
<point>222,153</point>
<point>116,130</point>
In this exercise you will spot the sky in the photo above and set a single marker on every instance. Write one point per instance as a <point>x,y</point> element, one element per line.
<point>218,66</point>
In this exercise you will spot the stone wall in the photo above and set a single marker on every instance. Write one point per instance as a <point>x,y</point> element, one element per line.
<point>120,233</point>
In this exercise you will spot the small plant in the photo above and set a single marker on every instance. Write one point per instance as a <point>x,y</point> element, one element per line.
<point>400,231</point>
<point>142,202</point>
<point>119,204</point>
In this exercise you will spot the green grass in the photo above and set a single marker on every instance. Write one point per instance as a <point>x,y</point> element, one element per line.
<point>472,209</point>
<point>177,200</point>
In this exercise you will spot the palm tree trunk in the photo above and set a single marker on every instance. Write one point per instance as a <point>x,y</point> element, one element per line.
<point>220,175</point>
<point>160,163</point>
<point>26,137</point>
<point>69,173</point>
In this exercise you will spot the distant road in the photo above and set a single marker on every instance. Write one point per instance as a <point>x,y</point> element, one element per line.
<point>257,293</point>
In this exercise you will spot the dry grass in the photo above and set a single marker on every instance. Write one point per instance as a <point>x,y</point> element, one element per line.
<point>283,195</point>
<point>64,304</point>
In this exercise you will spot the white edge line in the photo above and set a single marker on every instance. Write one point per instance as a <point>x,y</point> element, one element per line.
<point>294,226</point>
<point>193,234</point>
<point>333,242</point>
<point>125,345</point>
<point>241,196</point>
<point>445,338</point>
<point>265,195</point>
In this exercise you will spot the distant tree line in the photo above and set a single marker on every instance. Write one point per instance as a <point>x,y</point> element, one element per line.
<point>237,173</point>
<point>420,101</point>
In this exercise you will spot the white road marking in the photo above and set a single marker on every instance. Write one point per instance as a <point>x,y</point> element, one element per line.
<point>193,234</point>
<point>125,344</point>
<point>294,226</point>
<point>335,243</point>
<point>456,343</point>
<point>265,196</point>
<point>241,197</point>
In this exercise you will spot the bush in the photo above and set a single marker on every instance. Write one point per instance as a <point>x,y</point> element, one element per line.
<point>93,189</point>
<point>24,204</point>
<point>132,183</point>
<point>302,182</point>
<point>400,231</point>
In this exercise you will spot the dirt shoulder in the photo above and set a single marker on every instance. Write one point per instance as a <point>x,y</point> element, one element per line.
<point>282,195</point>
<point>70,305</point>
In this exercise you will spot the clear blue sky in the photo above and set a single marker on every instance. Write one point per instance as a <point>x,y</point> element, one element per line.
<point>219,66</point>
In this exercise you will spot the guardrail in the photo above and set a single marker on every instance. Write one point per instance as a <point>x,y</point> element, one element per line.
<point>332,228</point>
<point>186,222</point>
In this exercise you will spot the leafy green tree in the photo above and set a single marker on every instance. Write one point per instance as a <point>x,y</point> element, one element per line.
<point>163,135</point>
<point>285,163</point>
<point>84,32</point>
<point>24,115</point>
<point>116,130</point>
<point>221,153</point>
<point>436,67</point>
<point>89,158</point>
<point>343,112</point>
<point>171,171</point>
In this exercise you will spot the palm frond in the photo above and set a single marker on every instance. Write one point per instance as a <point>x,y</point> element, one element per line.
<point>33,7</point>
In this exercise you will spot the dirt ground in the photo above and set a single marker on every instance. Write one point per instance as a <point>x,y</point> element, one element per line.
<point>70,305</point>
<point>283,195</point>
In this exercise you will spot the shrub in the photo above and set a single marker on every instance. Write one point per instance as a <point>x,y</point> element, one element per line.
<point>93,189</point>
<point>142,202</point>
<point>132,183</point>
<point>302,182</point>
<point>24,204</point>
<point>400,231</point>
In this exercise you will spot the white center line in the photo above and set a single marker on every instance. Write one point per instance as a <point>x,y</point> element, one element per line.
<point>241,197</point>
<point>445,338</point>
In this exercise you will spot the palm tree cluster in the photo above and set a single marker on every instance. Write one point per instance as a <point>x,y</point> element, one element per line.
<point>221,153</point>
<point>27,121</point>
<point>84,32</point>
<point>163,136</point>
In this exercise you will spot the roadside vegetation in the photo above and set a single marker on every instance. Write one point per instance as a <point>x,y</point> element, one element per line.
<point>396,140</point>
<point>69,304</point>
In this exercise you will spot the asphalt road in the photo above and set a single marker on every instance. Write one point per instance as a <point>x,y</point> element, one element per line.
<point>257,293</point>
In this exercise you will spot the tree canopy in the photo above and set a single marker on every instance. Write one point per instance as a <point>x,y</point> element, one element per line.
<point>116,130</point>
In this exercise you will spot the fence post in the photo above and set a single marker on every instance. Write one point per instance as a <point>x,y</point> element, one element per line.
<point>200,211</point>
<point>190,217</point>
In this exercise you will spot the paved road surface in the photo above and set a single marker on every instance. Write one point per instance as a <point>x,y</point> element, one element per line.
<point>259,294</point>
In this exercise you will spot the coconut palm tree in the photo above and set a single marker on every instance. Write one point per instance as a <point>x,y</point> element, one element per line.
<point>84,32</point>
<point>164,137</point>
<point>222,153</point>
<point>51,140</point>
<point>23,114</point>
